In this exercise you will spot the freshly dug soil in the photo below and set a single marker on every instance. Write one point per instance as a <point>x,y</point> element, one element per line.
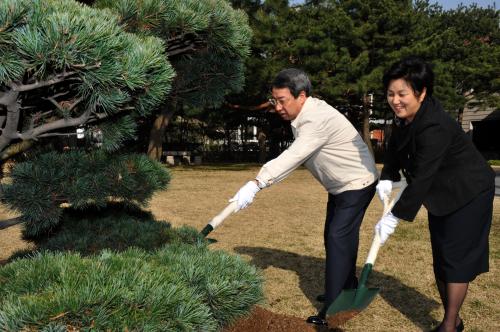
<point>262,320</point>
<point>341,317</point>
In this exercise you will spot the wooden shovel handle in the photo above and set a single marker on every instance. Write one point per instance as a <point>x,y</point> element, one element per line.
<point>228,210</point>
<point>372,254</point>
<point>218,219</point>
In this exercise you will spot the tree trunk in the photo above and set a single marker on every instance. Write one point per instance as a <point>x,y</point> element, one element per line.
<point>366,130</point>
<point>157,133</point>
<point>261,137</point>
<point>367,106</point>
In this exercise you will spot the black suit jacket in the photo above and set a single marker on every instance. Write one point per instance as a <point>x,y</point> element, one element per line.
<point>443,169</point>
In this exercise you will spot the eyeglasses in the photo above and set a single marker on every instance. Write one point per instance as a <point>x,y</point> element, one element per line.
<point>275,102</point>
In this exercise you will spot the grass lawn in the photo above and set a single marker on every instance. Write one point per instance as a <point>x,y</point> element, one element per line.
<point>282,233</point>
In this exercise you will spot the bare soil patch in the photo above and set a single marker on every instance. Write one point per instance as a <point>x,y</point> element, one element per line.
<point>262,320</point>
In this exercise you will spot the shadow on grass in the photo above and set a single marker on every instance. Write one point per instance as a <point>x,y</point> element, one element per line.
<point>414,305</point>
<point>117,226</point>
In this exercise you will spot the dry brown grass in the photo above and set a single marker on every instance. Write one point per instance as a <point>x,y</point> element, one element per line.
<point>282,234</point>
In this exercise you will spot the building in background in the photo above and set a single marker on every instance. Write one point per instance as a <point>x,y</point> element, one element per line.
<point>483,125</point>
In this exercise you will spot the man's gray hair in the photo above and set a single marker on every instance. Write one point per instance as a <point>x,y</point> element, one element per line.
<point>294,79</point>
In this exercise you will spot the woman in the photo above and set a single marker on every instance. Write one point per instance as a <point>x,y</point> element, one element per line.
<point>446,174</point>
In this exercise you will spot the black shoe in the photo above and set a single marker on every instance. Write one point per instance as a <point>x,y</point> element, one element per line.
<point>436,329</point>
<point>317,320</point>
<point>321,298</point>
<point>458,328</point>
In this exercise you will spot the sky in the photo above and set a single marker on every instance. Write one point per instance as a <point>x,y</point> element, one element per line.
<point>452,4</point>
<point>449,4</point>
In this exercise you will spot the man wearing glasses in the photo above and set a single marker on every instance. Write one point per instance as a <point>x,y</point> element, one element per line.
<point>329,146</point>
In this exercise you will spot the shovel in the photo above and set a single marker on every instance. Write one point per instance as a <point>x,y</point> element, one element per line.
<point>218,219</point>
<point>352,301</point>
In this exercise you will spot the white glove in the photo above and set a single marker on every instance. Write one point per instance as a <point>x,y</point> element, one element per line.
<point>244,197</point>
<point>386,226</point>
<point>384,189</point>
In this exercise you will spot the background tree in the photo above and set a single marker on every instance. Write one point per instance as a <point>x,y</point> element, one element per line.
<point>346,45</point>
<point>465,51</point>
<point>338,43</point>
<point>206,42</point>
<point>269,21</point>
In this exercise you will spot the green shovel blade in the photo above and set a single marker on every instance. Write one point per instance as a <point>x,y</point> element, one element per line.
<point>354,299</point>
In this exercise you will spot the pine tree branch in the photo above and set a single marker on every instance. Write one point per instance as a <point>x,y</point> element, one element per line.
<point>58,78</point>
<point>58,124</point>
<point>193,89</point>
<point>56,134</point>
<point>263,106</point>
<point>9,132</point>
<point>37,116</point>
<point>57,95</point>
<point>19,87</point>
<point>179,50</point>
<point>184,43</point>
<point>27,107</point>
<point>41,115</point>
<point>61,108</point>
<point>99,116</point>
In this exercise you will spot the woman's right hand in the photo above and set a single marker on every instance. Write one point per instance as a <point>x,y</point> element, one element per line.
<point>386,226</point>
<point>384,189</point>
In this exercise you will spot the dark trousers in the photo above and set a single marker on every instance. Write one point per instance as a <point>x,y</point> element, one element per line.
<point>344,215</point>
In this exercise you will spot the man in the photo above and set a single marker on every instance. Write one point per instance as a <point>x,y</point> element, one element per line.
<point>331,149</point>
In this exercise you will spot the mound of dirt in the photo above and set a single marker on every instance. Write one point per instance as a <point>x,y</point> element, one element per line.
<point>262,320</point>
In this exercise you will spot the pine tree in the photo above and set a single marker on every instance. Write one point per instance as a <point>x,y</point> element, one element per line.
<point>66,65</point>
<point>63,65</point>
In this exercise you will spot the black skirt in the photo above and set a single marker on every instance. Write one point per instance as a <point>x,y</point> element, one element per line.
<point>459,240</point>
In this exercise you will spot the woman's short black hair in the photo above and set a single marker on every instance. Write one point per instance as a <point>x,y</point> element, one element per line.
<point>294,79</point>
<point>415,71</point>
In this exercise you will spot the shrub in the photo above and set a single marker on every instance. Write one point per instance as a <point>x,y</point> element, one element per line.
<point>82,180</point>
<point>227,285</point>
<point>116,227</point>
<point>177,288</point>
